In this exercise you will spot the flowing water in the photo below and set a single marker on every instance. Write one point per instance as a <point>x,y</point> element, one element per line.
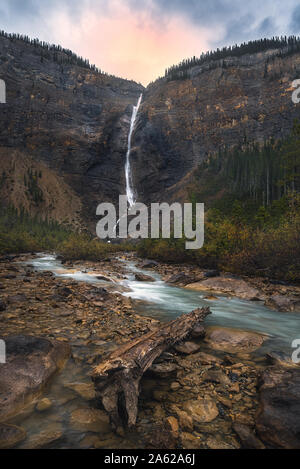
<point>129,182</point>
<point>156,299</point>
<point>165,302</point>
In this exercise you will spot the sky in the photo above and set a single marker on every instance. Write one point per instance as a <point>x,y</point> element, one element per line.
<point>139,39</point>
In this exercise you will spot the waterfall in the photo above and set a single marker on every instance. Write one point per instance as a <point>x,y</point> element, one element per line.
<point>129,183</point>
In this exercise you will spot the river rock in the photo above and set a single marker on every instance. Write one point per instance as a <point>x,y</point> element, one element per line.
<point>85,390</point>
<point>232,286</point>
<point>144,278</point>
<point>31,362</point>
<point>43,405</point>
<point>233,340</point>
<point>185,420</point>
<point>180,278</point>
<point>278,419</point>
<point>199,332</point>
<point>163,370</point>
<point>201,410</point>
<point>148,264</point>
<point>280,358</point>
<point>10,436</point>
<point>216,376</point>
<point>172,423</point>
<point>284,303</point>
<point>187,348</point>
<point>247,437</point>
<point>53,433</point>
<point>92,420</point>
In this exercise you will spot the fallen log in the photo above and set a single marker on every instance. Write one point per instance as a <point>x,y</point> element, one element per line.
<point>117,379</point>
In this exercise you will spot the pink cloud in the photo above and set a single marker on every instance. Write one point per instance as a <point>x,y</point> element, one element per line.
<point>130,44</point>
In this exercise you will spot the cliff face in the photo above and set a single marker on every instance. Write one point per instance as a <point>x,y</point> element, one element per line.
<point>69,119</point>
<point>71,124</point>
<point>181,122</point>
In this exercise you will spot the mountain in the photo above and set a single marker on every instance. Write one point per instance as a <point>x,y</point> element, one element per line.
<point>63,132</point>
<point>220,103</point>
<point>65,123</point>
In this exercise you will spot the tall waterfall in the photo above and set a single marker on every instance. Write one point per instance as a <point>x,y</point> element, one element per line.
<point>129,182</point>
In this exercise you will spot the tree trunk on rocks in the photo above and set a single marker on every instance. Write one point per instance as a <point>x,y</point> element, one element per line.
<point>117,379</point>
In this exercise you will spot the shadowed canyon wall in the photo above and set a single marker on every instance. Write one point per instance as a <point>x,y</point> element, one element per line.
<point>69,125</point>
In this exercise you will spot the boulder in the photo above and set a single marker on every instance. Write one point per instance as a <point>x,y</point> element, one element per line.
<point>284,303</point>
<point>43,405</point>
<point>247,437</point>
<point>280,358</point>
<point>180,278</point>
<point>231,286</point>
<point>201,410</point>
<point>144,278</point>
<point>278,419</point>
<point>148,264</point>
<point>31,363</point>
<point>163,370</point>
<point>10,436</point>
<point>187,348</point>
<point>216,376</point>
<point>233,340</point>
<point>85,390</point>
<point>92,420</point>
<point>198,332</point>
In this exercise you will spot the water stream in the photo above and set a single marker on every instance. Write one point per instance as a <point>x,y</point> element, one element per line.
<point>156,299</point>
<point>129,182</point>
<point>165,302</point>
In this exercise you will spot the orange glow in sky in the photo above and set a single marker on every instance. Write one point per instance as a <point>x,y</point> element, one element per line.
<point>128,44</point>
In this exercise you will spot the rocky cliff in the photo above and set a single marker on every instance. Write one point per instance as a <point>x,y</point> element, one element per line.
<point>182,121</point>
<point>64,122</point>
<point>63,131</point>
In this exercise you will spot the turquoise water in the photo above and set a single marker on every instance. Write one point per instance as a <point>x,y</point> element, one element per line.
<point>165,302</point>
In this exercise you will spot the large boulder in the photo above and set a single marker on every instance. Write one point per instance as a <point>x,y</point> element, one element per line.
<point>144,278</point>
<point>180,279</point>
<point>31,362</point>
<point>284,303</point>
<point>278,419</point>
<point>148,264</point>
<point>233,340</point>
<point>231,286</point>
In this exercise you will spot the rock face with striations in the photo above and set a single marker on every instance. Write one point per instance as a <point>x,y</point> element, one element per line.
<point>183,121</point>
<point>69,124</point>
<point>63,121</point>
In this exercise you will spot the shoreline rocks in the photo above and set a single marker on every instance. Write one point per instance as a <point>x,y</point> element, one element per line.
<point>31,363</point>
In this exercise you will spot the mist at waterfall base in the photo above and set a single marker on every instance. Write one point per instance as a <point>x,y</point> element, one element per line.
<point>165,302</point>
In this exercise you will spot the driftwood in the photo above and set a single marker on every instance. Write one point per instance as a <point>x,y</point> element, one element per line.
<point>117,379</point>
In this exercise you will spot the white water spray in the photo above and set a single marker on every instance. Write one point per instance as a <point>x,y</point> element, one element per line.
<point>129,182</point>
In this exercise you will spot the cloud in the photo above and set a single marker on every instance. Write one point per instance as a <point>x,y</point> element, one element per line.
<point>139,38</point>
<point>295,21</point>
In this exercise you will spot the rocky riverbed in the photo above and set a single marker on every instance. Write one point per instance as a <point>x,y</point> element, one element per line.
<point>214,391</point>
